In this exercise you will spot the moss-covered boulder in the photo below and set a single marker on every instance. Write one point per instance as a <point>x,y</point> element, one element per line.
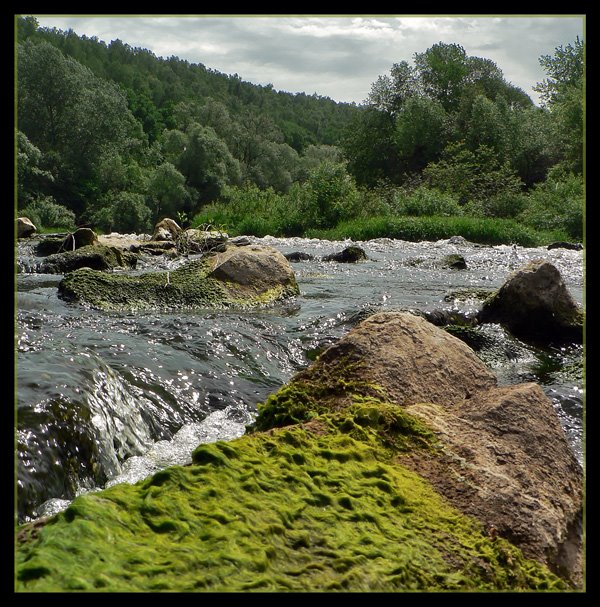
<point>91,257</point>
<point>339,486</point>
<point>535,304</point>
<point>454,261</point>
<point>320,506</point>
<point>240,276</point>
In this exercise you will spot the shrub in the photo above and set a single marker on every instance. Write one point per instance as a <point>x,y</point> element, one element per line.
<point>44,212</point>
<point>424,201</point>
<point>557,204</point>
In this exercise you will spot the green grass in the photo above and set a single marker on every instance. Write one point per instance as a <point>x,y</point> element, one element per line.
<point>481,230</point>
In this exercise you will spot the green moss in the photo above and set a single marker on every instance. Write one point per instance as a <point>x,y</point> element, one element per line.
<point>305,508</point>
<point>187,287</point>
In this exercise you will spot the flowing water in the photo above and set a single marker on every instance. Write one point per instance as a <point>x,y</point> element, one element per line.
<point>105,397</point>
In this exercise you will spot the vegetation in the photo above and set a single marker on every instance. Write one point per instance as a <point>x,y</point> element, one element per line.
<point>116,138</point>
<point>301,508</point>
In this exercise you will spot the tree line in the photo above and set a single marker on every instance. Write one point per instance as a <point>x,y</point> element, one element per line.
<point>112,136</point>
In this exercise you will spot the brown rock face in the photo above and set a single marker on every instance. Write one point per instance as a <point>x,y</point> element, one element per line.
<point>253,270</point>
<point>535,303</point>
<point>503,455</point>
<point>412,359</point>
<point>81,237</point>
<point>166,229</point>
<point>505,460</point>
<point>25,227</point>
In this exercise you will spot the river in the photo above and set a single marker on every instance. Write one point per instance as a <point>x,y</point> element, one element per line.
<point>106,397</point>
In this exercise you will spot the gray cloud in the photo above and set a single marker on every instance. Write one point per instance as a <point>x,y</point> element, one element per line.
<point>339,57</point>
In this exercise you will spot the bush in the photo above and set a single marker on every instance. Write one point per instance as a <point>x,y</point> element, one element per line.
<point>44,212</point>
<point>123,212</point>
<point>557,204</point>
<point>425,201</point>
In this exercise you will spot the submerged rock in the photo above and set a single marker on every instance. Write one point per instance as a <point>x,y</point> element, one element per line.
<point>534,303</point>
<point>25,227</point>
<point>350,254</point>
<point>240,276</point>
<point>94,257</point>
<point>298,256</point>
<point>454,261</point>
<point>573,246</point>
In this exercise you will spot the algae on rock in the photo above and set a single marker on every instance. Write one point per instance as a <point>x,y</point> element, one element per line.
<point>263,276</point>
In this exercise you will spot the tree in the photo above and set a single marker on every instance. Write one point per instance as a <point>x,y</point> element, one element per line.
<point>31,177</point>
<point>207,163</point>
<point>167,191</point>
<point>563,94</point>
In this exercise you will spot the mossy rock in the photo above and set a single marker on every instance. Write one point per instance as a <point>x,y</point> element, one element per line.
<point>203,283</point>
<point>315,507</point>
<point>95,257</point>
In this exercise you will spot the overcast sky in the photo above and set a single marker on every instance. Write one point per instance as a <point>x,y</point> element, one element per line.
<point>340,56</point>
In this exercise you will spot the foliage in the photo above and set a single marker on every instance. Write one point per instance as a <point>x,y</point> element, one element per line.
<point>124,212</point>
<point>44,212</point>
<point>557,204</point>
<point>426,201</point>
<point>31,177</point>
<point>472,176</point>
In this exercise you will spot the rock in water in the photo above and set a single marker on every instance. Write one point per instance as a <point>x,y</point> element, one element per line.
<point>502,455</point>
<point>25,227</point>
<point>351,254</point>
<point>240,276</point>
<point>166,229</point>
<point>96,257</point>
<point>81,237</point>
<point>454,261</point>
<point>534,303</point>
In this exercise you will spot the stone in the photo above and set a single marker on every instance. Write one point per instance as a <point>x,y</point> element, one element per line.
<point>454,261</point>
<point>239,277</point>
<point>535,304</point>
<point>166,229</point>
<point>298,256</point>
<point>501,454</point>
<point>82,237</point>
<point>350,254</point>
<point>95,257</point>
<point>25,227</point>
<point>573,246</point>
<point>505,460</point>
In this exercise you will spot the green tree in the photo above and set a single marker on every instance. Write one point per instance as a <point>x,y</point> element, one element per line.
<point>167,191</point>
<point>31,177</point>
<point>207,163</point>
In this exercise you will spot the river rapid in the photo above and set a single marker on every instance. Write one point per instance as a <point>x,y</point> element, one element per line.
<point>106,397</point>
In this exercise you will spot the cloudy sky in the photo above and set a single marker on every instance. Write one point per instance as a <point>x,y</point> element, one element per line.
<point>338,56</point>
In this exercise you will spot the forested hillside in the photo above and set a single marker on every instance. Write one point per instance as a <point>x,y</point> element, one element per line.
<point>115,137</point>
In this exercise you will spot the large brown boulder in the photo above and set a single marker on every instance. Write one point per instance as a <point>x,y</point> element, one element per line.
<point>25,227</point>
<point>253,271</point>
<point>82,237</point>
<point>501,454</point>
<point>166,229</point>
<point>505,460</point>
<point>534,303</point>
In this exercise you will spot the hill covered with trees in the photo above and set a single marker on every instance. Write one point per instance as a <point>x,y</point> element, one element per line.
<point>115,137</point>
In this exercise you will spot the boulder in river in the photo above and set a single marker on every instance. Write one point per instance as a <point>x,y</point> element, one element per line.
<point>454,261</point>
<point>298,256</point>
<point>166,229</point>
<point>534,303</point>
<point>82,237</point>
<point>25,227</point>
<point>354,478</point>
<point>239,276</point>
<point>94,257</point>
<point>573,246</point>
<point>351,254</point>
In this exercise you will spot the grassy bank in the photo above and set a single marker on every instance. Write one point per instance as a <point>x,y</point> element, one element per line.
<point>491,231</point>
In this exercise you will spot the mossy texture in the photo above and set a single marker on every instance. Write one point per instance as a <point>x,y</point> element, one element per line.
<point>319,506</point>
<point>188,287</point>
